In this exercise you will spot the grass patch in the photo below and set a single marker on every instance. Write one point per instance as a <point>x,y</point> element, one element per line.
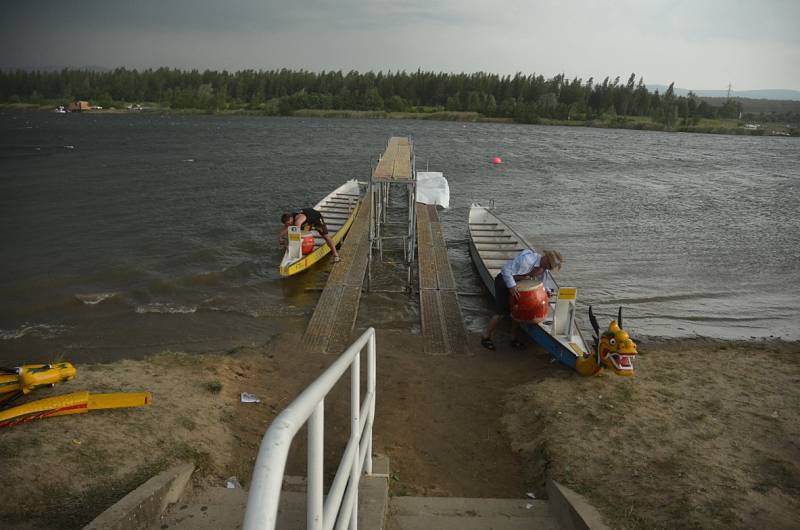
<point>669,393</point>
<point>187,423</point>
<point>625,393</point>
<point>65,507</point>
<point>665,376</point>
<point>93,460</point>
<point>707,435</point>
<point>215,387</point>
<point>780,474</point>
<point>712,406</point>
<point>184,452</point>
<point>9,449</point>
<point>359,114</point>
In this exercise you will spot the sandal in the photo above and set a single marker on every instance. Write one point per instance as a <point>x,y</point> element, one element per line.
<point>517,344</point>
<point>487,343</point>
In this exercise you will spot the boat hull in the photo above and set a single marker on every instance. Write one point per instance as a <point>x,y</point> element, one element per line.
<point>491,244</point>
<point>339,209</point>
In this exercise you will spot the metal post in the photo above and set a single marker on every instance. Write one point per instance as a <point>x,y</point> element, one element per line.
<point>413,201</point>
<point>371,194</point>
<point>316,437</point>
<point>371,388</point>
<point>355,434</point>
<point>387,194</point>
<point>381,201</point>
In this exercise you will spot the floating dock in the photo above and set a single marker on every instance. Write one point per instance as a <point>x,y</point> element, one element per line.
<point>442,322</point>
<point>335,314</point>
<point>440,313</point>
<point>395,164</point>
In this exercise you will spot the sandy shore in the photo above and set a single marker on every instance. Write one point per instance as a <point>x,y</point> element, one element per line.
<point>705,435</point>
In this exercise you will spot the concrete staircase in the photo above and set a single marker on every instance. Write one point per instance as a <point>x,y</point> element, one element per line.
<point>211,509</point>
<point>164,503</point>
<point>564,509</point>
<point>452,513</point>
<point>220,508</point>
<point>223,508</point>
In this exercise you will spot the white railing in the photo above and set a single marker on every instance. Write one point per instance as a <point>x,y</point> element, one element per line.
<point>341,505</point>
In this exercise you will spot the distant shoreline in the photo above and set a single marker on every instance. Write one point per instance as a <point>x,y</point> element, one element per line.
<point>706,126</point>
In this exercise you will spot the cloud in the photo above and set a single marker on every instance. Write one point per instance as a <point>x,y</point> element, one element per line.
<point>697,44</point>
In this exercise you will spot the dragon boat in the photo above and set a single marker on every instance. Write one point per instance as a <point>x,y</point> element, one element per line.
<point>22,380</point>
<point>338,210</point>
<point>492,243</point>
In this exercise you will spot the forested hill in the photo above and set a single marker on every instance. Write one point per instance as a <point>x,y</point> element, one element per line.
<point>523,98</point>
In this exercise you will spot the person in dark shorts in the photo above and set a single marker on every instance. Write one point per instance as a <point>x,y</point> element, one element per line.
<point>528,264</point>
<point>307,219</point>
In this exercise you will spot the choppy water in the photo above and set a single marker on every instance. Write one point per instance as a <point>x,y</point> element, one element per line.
<point>129,234</point>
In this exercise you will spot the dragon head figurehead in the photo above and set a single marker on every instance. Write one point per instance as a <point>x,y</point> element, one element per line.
<point>614,347</point>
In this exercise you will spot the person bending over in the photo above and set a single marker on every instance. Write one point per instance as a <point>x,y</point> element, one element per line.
<point>306,219</point>
<point>527,265</point>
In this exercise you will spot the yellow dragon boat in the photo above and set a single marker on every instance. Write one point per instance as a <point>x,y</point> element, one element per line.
<point>75,403</point>
<point>338,209</point>
<point>22,380</point>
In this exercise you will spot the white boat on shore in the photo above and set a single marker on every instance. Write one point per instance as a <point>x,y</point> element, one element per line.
<point>492,243</point>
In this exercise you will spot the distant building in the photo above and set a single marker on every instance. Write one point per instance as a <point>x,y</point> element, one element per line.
<point>77,106</point>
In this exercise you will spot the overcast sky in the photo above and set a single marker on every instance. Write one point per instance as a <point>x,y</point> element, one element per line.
<point>699,44</point>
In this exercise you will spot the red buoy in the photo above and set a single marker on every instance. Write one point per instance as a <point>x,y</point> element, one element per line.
<point>497,160</point>
<point>532,304</point>
<point>307,245</point>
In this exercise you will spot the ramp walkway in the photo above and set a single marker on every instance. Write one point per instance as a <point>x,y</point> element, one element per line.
<point>329,329</point>
<point>442,322</point>
<point>395,164</point>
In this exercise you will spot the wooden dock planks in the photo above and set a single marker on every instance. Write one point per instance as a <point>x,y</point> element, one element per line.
<point>329,329</point>
<point>335,314</point>
<point>442,323</point>
<point>395,165</point>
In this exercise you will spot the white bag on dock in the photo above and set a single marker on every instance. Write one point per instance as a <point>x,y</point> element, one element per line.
<point>432,188</point>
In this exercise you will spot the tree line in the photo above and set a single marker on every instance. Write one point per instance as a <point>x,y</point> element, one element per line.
<point>523,98</point>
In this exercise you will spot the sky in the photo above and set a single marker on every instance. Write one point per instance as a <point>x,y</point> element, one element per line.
<point>698,44</point>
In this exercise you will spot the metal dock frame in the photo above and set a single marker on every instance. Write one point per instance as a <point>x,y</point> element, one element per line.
<point>396,167</point>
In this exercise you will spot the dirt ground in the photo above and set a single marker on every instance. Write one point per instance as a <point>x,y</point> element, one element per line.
<point>705,435</point>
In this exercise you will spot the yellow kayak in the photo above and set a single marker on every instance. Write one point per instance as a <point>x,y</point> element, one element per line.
<point>75,403</point>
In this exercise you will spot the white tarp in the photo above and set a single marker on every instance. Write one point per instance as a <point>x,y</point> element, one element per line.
<point>432,188</point>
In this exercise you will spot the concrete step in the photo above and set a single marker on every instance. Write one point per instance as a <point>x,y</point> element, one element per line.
<point>213,508</point>
<point>454,513</point>
<point>223,509</point>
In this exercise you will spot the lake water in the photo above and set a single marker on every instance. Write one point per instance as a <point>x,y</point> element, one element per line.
<point>129,234</point>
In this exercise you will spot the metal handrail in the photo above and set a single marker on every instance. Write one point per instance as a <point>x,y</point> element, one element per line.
<point>341,505</point>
